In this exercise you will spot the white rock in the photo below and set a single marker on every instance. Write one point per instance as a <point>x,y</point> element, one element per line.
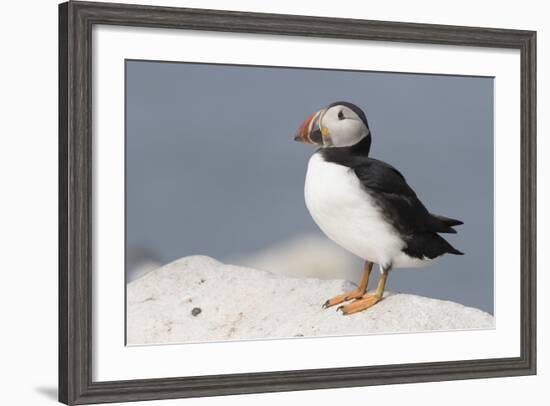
<point>197,299</point>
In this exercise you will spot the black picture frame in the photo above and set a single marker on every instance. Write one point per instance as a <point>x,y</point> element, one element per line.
<point>76,20</point>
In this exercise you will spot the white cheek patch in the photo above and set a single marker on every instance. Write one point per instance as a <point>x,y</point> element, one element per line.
<point>348,134</point>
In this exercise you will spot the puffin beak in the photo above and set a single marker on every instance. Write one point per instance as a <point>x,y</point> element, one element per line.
<point>309,131</point>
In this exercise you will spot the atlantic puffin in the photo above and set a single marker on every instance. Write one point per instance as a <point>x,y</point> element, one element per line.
<point>365,205</point>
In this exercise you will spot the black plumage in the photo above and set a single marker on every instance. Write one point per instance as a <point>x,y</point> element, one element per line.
<point>398,203</point>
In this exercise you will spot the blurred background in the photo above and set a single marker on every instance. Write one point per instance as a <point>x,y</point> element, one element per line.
<point>212,168</point>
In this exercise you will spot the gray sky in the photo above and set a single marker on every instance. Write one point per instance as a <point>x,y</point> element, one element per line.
<point>212,168</point>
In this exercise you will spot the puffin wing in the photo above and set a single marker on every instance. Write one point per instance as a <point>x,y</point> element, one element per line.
<point>399,202</point>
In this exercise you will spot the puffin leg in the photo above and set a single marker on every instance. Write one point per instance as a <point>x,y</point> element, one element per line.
<point>354,294</point>
<point>367,301</point>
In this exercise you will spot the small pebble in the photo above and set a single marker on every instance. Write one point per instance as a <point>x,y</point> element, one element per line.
<point>196,311</point>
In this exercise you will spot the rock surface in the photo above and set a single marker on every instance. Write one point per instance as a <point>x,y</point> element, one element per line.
<point>198,299</point>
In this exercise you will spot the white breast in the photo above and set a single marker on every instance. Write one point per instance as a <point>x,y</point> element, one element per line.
<point>348,215</point>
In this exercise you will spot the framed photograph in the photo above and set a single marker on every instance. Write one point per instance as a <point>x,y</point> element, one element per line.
<point>258,202</point>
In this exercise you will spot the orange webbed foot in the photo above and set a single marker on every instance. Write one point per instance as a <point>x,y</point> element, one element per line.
<point>344,297</point>
<point>360,304</point>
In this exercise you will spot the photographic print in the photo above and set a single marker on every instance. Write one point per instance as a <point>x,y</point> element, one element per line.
<point>249,202</point>
<point>284,202</point>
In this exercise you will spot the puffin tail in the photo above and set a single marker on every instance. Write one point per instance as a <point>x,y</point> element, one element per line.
<point>454,251</point>
<point>448,221</point>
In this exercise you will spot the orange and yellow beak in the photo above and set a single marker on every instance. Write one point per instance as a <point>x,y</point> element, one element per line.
<point>310,131</point>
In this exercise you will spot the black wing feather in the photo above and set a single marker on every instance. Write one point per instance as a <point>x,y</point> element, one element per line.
<point>400,202</point>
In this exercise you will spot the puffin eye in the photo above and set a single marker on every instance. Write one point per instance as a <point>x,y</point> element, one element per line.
<point>340,115</point>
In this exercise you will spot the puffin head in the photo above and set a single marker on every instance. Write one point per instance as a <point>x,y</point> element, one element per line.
<point>340,124</point>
